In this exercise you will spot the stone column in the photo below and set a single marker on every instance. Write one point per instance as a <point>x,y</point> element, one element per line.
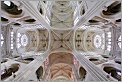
<point>98,74</point>
<point>28,71</point>
<point>75,73</point>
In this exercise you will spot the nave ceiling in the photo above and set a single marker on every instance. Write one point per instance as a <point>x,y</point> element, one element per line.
<point>62,38</point>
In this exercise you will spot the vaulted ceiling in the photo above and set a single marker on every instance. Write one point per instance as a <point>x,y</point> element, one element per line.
<point>54,29</point>
<point>62,14</point>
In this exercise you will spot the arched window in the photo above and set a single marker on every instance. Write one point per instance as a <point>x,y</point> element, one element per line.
<point>2,40</point>
<point>109,41</point>
<point>109,34</point>
<point>24,40</point>
<point>103,45</point>
<point>97,41</point>
<point>109,47</point>
<point>18,40</point>
<point>119,41</point>
<point>12,38</point>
